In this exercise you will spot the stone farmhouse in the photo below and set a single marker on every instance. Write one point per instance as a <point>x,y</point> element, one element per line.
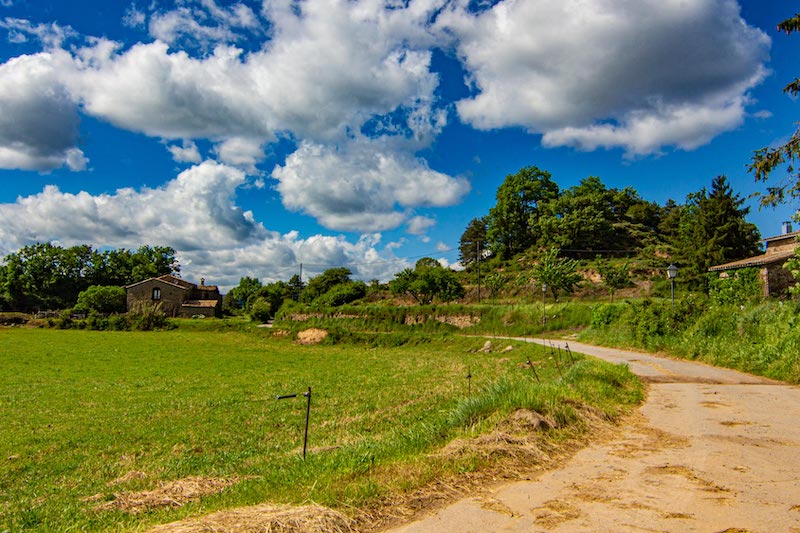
<point>177,297</point>
<point>774,278</point>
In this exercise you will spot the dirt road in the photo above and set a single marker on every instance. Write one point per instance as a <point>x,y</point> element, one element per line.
<point>711,450</point>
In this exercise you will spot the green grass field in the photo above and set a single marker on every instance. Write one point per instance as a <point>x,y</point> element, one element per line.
<point>81,409</point>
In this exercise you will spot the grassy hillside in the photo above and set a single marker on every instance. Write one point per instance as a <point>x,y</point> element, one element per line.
<point>761,338</point>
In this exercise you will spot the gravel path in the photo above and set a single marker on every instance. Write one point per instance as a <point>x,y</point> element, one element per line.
<point>712,450</point>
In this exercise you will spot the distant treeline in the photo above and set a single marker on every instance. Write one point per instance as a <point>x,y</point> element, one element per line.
<point>48,276</point>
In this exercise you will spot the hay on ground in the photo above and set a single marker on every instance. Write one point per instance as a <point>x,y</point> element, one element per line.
<point>168,494</point>
<point>265,518</point>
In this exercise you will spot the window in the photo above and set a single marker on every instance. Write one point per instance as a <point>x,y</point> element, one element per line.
<point>156,294</point>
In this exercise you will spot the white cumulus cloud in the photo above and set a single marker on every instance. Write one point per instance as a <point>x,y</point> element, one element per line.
<point>640,74</point>
<point>196,213</point>
<point>363,186</point>
<point>186,152</point>
<point>38,119</point>
<point>241,152</point>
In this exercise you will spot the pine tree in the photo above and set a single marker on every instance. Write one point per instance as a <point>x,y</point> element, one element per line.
<point>473,242</point>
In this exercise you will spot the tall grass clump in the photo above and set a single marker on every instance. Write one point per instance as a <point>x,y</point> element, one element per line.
<point>758,337</point>
<point>528,319</point>
<point>603,385</point>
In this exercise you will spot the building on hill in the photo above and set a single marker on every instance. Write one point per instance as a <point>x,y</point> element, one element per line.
<point>774,278</point>
<point>177,297</point>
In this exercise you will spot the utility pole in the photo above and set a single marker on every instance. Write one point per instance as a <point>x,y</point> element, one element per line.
<point>478,258</point>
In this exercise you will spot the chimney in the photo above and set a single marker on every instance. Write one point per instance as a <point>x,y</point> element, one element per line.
<point>202,282</point>
<point>786,228</point>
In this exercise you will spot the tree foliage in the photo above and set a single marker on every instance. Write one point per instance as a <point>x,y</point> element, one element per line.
<point>519,200</point>
<point>342,294</point>
<point>319,285</point>
<point>48,276</point>
<point>244,292</point>
<point>558,273</point>
<point>473,242</point>
<point>713,230</point>
<point>591,217</point>
<point>767,160</point>
<point>428,280</point>
<point>614,277</point>
<point>102,299</point>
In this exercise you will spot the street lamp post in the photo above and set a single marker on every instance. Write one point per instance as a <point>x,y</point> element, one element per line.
<point>672,273</point>
<point>544,302</point>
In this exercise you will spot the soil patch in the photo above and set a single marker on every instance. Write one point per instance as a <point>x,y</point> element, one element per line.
<point>311,336</point>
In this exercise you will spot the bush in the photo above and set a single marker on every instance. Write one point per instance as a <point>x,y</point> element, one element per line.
<point>146,317</point>
<point>737,289</point>
<point>103,299</point>
<point>96,321</point>
<point>13,319</point>
<point>342,294</point>
<point>118,323</point>
<point>261,310</point>
<point>604,315</point>
<point>64,321</point>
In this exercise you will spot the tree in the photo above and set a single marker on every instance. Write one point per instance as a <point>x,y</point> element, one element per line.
<point>295,287</point>
<point>244,291</point>
<point>473,242</point>
<point>342,294</point>
<point>103,299</point>
<point>614,277</point>
<point>495,282</point>
<point>273,294</point>
<point>319,285</point>
<point>153,261</point>
<point>558,273</point>
<point>713,230</point>
<point>519,202</point>
<point>428,280</point>
<point>766,160</point>
<point>48,276</point>
<point>44,275</point>
<point>592,217</point>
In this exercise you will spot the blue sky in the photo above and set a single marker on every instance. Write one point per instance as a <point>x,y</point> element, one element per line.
<point>254,136</point>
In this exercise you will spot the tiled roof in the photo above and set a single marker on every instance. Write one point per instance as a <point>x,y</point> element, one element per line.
<point>759,260</point>
<point>785,235</point>
<point>199,303</point>
<point>160,280</point>
<point>177,281</point>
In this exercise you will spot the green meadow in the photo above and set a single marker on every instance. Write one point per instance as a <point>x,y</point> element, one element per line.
<point>88,416</point>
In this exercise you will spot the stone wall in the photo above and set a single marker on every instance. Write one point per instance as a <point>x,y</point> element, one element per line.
<point>172,297</point>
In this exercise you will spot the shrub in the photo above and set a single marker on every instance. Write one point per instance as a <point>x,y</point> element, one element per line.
<point>118,323</point>
<point>103,299</point>
<point>737,289</point>
<point>13,319</point>
<point>96,321</point>
<point>64,321</point>
<point>261,310</point>
<point>342,294</point>
<point>604,315</point>
<point>144,316</point>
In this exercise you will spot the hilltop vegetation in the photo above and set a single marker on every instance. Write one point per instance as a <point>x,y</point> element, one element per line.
<point>532,214</point>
